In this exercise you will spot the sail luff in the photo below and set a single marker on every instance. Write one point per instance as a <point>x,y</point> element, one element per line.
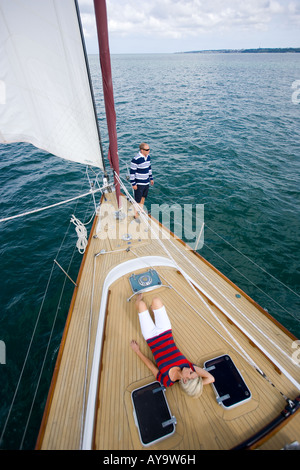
<point>43,71</point>
<point>90,81</point>
<point>105,63</point>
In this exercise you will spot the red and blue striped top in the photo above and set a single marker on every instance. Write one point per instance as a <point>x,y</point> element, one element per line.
<point>167,355</point>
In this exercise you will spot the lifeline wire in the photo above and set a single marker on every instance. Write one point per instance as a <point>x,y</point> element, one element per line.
<point>253,262</point>
<point>33,335</point>
<point>242,352</point>
<point>34,211</point>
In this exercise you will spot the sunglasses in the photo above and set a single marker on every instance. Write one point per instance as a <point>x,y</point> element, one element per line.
<point>147,150</point>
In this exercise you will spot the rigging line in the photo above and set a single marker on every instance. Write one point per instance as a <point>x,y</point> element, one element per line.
<point>54,321</point>
<point>92,95</point>
<point>35,327</point>
<point>197,311</point>
<point>26,357</point>
<point>90,220</point>
<point>92,169</point>
<point>65,273</point>
<point>288,356</point>
<point>144,216</point>
<point>46,353</point>
<point>240,351</point>
<point>250,360</point>
<point>228,300</point>
<point>273,300</point>
<point>96,175</point>
<point>283,308</point>
<point>43,363</point>
<point>249,259</point>
<point>53,205</point>
<point>93,185</point>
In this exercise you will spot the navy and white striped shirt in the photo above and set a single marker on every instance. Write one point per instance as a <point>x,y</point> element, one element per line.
<point>140,170</point>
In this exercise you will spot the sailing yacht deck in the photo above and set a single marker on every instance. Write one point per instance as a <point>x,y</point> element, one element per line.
<point>209,318</point>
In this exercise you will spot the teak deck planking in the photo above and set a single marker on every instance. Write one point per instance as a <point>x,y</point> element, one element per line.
<point>202,423</point>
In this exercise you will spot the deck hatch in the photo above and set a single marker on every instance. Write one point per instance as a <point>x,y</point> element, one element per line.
<point>152,413</point>
<point>229,385</point>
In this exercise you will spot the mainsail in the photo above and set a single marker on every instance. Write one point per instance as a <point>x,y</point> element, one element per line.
<point>45,94</point>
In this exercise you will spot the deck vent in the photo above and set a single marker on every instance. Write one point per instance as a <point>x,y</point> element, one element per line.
<point>145,281</point>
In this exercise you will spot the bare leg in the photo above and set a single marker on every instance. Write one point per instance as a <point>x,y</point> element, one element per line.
<point>156,303</point>
<point>141,204</point>
<point>140,304</point>
<point>161,318</point>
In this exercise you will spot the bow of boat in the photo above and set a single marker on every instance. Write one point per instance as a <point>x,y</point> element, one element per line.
<point>89,404</point>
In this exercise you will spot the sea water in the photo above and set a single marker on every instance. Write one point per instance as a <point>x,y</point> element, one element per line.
<point>224,132</point>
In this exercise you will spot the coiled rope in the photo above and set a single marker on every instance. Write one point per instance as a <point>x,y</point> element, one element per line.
<point>81,233</point>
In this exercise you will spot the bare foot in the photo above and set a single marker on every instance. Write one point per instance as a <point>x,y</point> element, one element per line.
<point>138,299</point>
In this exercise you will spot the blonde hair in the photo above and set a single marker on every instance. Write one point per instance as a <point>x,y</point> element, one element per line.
<point>193,387</point>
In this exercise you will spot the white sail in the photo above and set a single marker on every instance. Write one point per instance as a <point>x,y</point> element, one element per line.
<point>45,97</point>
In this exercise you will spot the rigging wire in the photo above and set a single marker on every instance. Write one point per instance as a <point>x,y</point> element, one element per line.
<point>282,352</point>
<point>35,328</point>
<point>51,333</point>
<point>253,262</point>
<point>93,191</point>
<point>240,350</point>
<point>262,291</point>
<point>26,358</point>
<point>243,352</point>
<point>243,275</point>
<point>34,211</point>
<point>45,355</point>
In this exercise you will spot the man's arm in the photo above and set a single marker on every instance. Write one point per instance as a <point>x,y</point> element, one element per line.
<point>133,168</point>
<point>152,367</point>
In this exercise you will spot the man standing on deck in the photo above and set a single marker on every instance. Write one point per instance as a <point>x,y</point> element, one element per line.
<point>141,175</point>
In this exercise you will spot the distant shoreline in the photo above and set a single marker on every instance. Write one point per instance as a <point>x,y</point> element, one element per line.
<point>247,51</point>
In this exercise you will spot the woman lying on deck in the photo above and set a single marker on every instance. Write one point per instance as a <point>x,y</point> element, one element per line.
<point>171,366</point>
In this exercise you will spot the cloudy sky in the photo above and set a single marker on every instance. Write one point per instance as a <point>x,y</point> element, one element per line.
<point>151,26</point>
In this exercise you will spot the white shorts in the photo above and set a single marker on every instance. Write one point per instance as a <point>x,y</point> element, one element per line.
<point>151,329</point>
